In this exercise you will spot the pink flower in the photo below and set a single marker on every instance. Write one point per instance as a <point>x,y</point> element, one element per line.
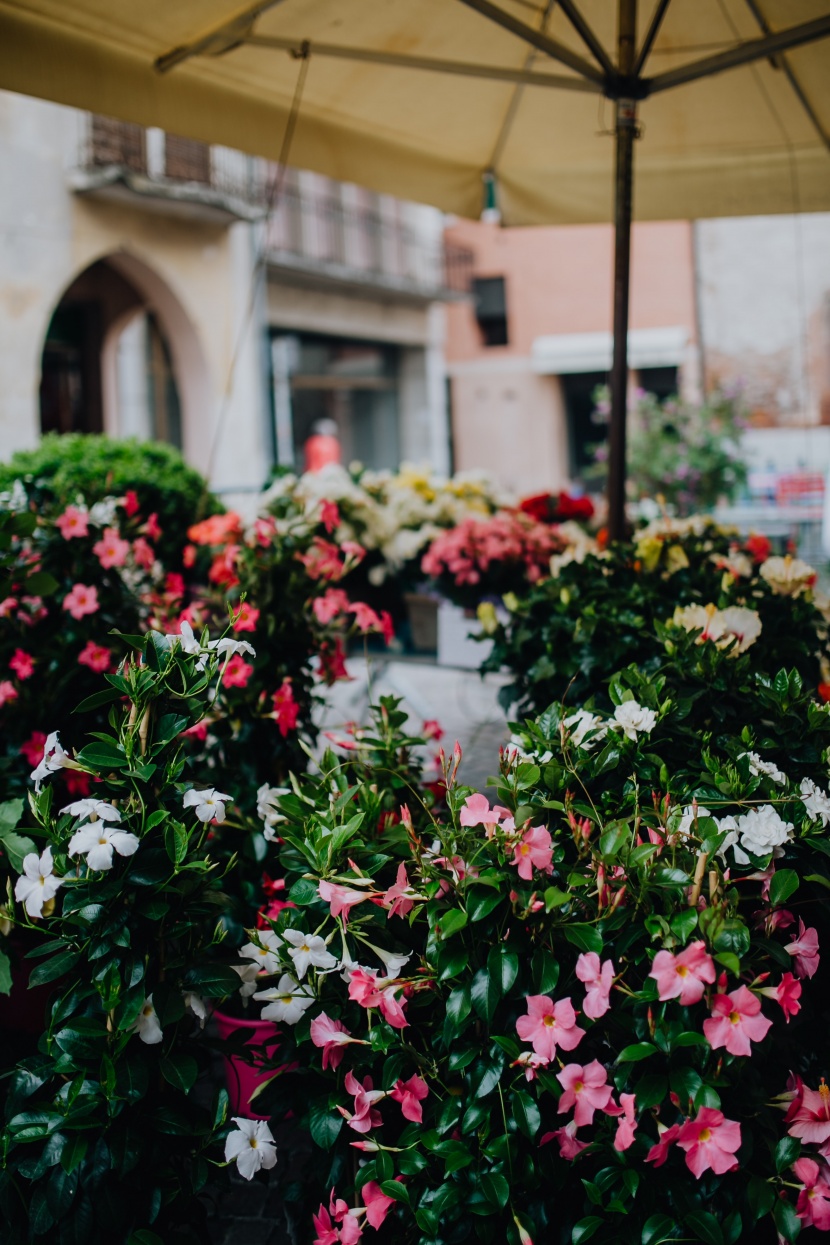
<point>569,1144</point>
<point>72,523</point>
<point>365,617</point>
<point>32,749</point>
<point>805,950</point>
<point>598,978</point>
<point>365,1115</point>
<point>391,1007</point>
<point>627,1125</point>
<point>332,1036</point>
<point>131,503</point>
<point>683,976</point>
<point>377,1203</point>
<point>333,602</point>
<point>152,529</point>
<point>363,987</point>
<point>237,672</point>
<point>327,1234</point>
<point>396,898</point>
<point>247,619</point>
<point>96,656</point>
<point>143,553</point>
<point>286,709</point>
<point>787,993</point>
<point>710,1142</point>
<point>111,550</point>
<point>7,606</point>
<point>410,1094</point>
<point>809,1114</point>
<point>586,1090</point>
<point>431,729</point>
<point>660,1152</point>
<point>531,1062</point>
<point>8,692</point>
<point>533,851</point>
<point>341,898</point>
<point>813,1204</point>
<point>736,1022</point>
<point>477,812</point>
<point>82,600</point>
<point>22,664</point>
<point>548,1025</point>
<point>329,515</point>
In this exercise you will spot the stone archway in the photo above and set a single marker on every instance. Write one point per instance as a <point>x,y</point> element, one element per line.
<point>122,356</point>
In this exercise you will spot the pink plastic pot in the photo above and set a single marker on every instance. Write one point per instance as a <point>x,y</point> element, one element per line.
<point>243,1078</point>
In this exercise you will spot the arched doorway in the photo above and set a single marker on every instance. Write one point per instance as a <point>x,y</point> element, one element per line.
<point>121,356</point>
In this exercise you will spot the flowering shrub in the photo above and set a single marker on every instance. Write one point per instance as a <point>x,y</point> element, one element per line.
<point>688,454</point>
<point>103,1140</point>
<point>603,609</point>
<point>506,1017</point>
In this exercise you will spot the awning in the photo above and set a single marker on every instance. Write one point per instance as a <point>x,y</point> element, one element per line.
<point>562,354</point>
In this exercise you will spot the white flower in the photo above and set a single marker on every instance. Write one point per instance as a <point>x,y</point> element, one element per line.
<point>688,817</point>
<point>758,766</point>
<point>54,758</point>
<point>307,949</point>
<point>248,973</point>
<point>93,810</point>
<point>97,841</point>
<point>286,1002</point>
<point>103,513</point>
<point>736,623</point>
<point>207,804</point>
<point>634,719</point>
<point>228,647</point>
<point>197,1005</point>
<point>729,826</point>
<point>761,831</point>
<point>788,576</point>
<point>147,1025</point>
<point>37,884</point>
<point>252,1146</point>
<point>580,723</point>
<point>265,952</point>
<point>392,962</point>
<point>267,810</point>
<point>816,801</point>
<point>189,644</point>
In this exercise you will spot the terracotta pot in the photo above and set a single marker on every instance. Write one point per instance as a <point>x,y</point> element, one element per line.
<point>242,1077</point>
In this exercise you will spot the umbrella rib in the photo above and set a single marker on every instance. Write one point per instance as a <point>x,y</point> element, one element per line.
<point>557,51</point>
<point>495,73</point>
<point>233,27</point>
<point>744,54</point>
<point>791,78</point>
<point>587,35</point>
<point>651,35</point>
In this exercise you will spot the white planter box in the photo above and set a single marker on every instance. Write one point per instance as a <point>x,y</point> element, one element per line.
<point>455,648</point>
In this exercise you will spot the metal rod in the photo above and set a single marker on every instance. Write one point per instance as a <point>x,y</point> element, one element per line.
<point>651,35</point>
<point>557,51</point>
<point>743,54</point>
<point>626,133</point>
<point>466,69</point>
<point>587,35</point>
<point>791,78</point>
<point>228,32</point>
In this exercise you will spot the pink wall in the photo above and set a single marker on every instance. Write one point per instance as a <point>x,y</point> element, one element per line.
<point>559,280</point>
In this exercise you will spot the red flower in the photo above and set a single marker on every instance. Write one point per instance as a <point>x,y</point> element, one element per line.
<point>32,749</point>
<point>237,672</point>
<point>217,530</point>
<point>286,709</point>
<point>247,619</point>
<point>329,515</point>
<point>96,656</point>
<point>410,1095</point>
<point>151,528</point>
<point>758,547</point>
<point>131,504</point>
<point>22,664</point>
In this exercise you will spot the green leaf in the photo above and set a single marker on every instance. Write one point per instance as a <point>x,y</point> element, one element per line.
<point>555,898</point>
<point>175,841</point>
<point>495,1188</point>
<point>761,1197</point>
<point>303,893</point>
<point>783,884</point>
<point>786,1153</point>
<point>457,1010</point>
<point>145,1237</point>
<point>102,755</point>
<point>395,1189</point>
<point>733,936</point>
<point>656,1229</point>
<point>503,966</point>
<point>54,968</point>
<point>705,1226</point>
<point>481,902</point>
<point>180,1070</point>
<point>786,1220</point>
<point>526,1114</point>
<point>10,813</point>
<point>730,962</point>
<point>41,584</point>
<point>16,847</point>
<point>97,699</point>
<point>485,992</point>
<point>212,980</point>
<point>636,1052</point>
<point>613,840</point>
<point>544,970</point>
<point>72,1154</point>
<point>324,1123</point>
<point>451,960</point>
<point>450,923</point>
<point>586,937</point>
<point>684,924</point>
<point>5,973</point>
<point>585,1229</point>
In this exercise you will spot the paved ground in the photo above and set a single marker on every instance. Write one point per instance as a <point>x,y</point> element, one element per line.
<point>464,703</point>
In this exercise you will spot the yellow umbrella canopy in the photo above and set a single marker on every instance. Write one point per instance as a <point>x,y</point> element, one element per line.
<point>425,99</point>
<point>740,142</point>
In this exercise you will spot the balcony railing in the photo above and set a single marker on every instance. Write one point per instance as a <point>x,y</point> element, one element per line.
<point>314,227</point>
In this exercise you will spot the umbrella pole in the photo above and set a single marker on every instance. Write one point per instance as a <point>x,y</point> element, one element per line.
<point>626,133</point>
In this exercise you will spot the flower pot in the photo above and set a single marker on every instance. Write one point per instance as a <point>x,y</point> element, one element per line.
<point>242,1077</point>
<point>423,621</point>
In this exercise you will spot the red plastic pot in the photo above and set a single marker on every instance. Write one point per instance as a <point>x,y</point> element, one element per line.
<point>242,1077</point>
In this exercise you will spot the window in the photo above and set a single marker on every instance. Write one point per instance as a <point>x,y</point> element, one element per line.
<point>118,142</point>
<point>186,160</point>
<point>583,432</point>
<point>661,381</point>
<point>490,302</point>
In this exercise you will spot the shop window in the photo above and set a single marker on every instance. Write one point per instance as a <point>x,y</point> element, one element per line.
<point>585,430</point>
<point>490,303</point>
<point>661,381</point>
